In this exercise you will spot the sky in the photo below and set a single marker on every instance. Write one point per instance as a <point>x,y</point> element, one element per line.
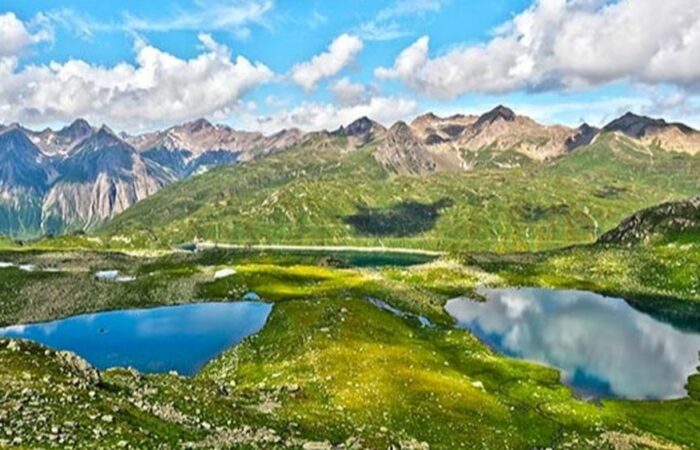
<point>316,64</point>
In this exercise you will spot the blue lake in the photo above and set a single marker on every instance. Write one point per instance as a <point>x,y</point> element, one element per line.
<point>180,338</point>
<point>602,346</point>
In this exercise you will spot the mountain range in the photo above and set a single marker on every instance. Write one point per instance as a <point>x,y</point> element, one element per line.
<point>78,177</point>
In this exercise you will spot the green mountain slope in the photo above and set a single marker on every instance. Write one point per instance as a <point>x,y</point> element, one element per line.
<point>322,193</point>
<point>673,222</point>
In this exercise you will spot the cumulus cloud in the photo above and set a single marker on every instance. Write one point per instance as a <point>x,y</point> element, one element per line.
<point>348,93</point>
<point>15,36</point>
<point>159,89</point>
<point>339,54</point>
<point>565,44</point>
<point>327,116</point>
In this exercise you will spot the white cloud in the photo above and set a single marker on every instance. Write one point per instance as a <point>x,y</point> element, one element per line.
<point>15,36</point>
<point>210,15</point>
<point>327,116</point>
<point>402,8</point>
<point>569,44</point>
<point>348,93</point>
<point>385,26</point>
<point>339,54</point>
<point>234,16</point>
<point>159,89</point>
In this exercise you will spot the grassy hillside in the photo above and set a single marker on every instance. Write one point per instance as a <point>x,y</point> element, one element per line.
<point>319,194</point>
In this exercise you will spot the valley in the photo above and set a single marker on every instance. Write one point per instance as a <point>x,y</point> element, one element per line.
<point>356,240</point>
<point>330,369</point>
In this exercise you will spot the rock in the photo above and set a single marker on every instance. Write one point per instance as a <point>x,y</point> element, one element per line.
<point>312,445</point>
<point>13,346</point>
<point>79,366</point>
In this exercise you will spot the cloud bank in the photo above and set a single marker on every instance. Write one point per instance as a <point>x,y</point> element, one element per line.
<point>159,89</point>
<point>565,44</point>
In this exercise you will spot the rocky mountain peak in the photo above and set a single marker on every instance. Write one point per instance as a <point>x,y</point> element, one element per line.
<point>79,129</point>
<point>360,127</point>
<point>498,113</point>
<point>105,137</point>
<point>400,128</point>
<point>584,135</point>
<point>198,126</point>
<point>402,152</point>
<point>21,162</point>
<point>637,126</point>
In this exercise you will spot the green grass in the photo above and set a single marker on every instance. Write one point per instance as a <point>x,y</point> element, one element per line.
<point>314,194</point>
<point>328,366</point>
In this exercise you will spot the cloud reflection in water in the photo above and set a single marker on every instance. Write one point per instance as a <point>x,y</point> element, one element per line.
<point>603,346</point>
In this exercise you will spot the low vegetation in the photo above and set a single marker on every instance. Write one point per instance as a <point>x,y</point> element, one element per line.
<point>329,368</point>
<point>324,195</point>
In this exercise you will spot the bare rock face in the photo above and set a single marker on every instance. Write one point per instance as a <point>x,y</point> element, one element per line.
<point>663,220</point>
<point>676,137</point>
<point>100,179</point>
<point>402,152</point>
<point>62,142</point>
<point>434,130</point>
<point>636,126</point>
<point>497,131</point>
<point>197,145</point>
<point>22,165</point>
<point>502,130</point>
<point>585,135</point>
<point>361,132</point>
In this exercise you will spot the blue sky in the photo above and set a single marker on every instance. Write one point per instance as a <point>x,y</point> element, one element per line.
<point>269,64</point>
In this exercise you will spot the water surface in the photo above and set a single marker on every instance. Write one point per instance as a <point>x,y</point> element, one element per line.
<point>180,338</point>
<point>603,346</point>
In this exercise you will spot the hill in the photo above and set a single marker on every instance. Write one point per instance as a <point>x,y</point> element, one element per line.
<point>669,222</point>
<point>324,191</point>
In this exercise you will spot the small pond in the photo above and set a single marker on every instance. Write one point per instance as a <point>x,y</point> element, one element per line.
<point>180,338</point>
<point>603,346</point>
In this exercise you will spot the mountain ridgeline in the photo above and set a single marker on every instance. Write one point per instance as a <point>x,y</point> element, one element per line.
<point>506,178</point>
<point>495,182</point>
<point>77,177</point>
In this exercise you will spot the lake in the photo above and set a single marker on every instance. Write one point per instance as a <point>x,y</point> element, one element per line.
<point>180,338</point>
<point>602,346</point>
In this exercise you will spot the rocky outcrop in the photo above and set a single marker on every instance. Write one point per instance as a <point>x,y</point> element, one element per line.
<point>403,153</point>
<point>658,222</point>
<point>361,132</point>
